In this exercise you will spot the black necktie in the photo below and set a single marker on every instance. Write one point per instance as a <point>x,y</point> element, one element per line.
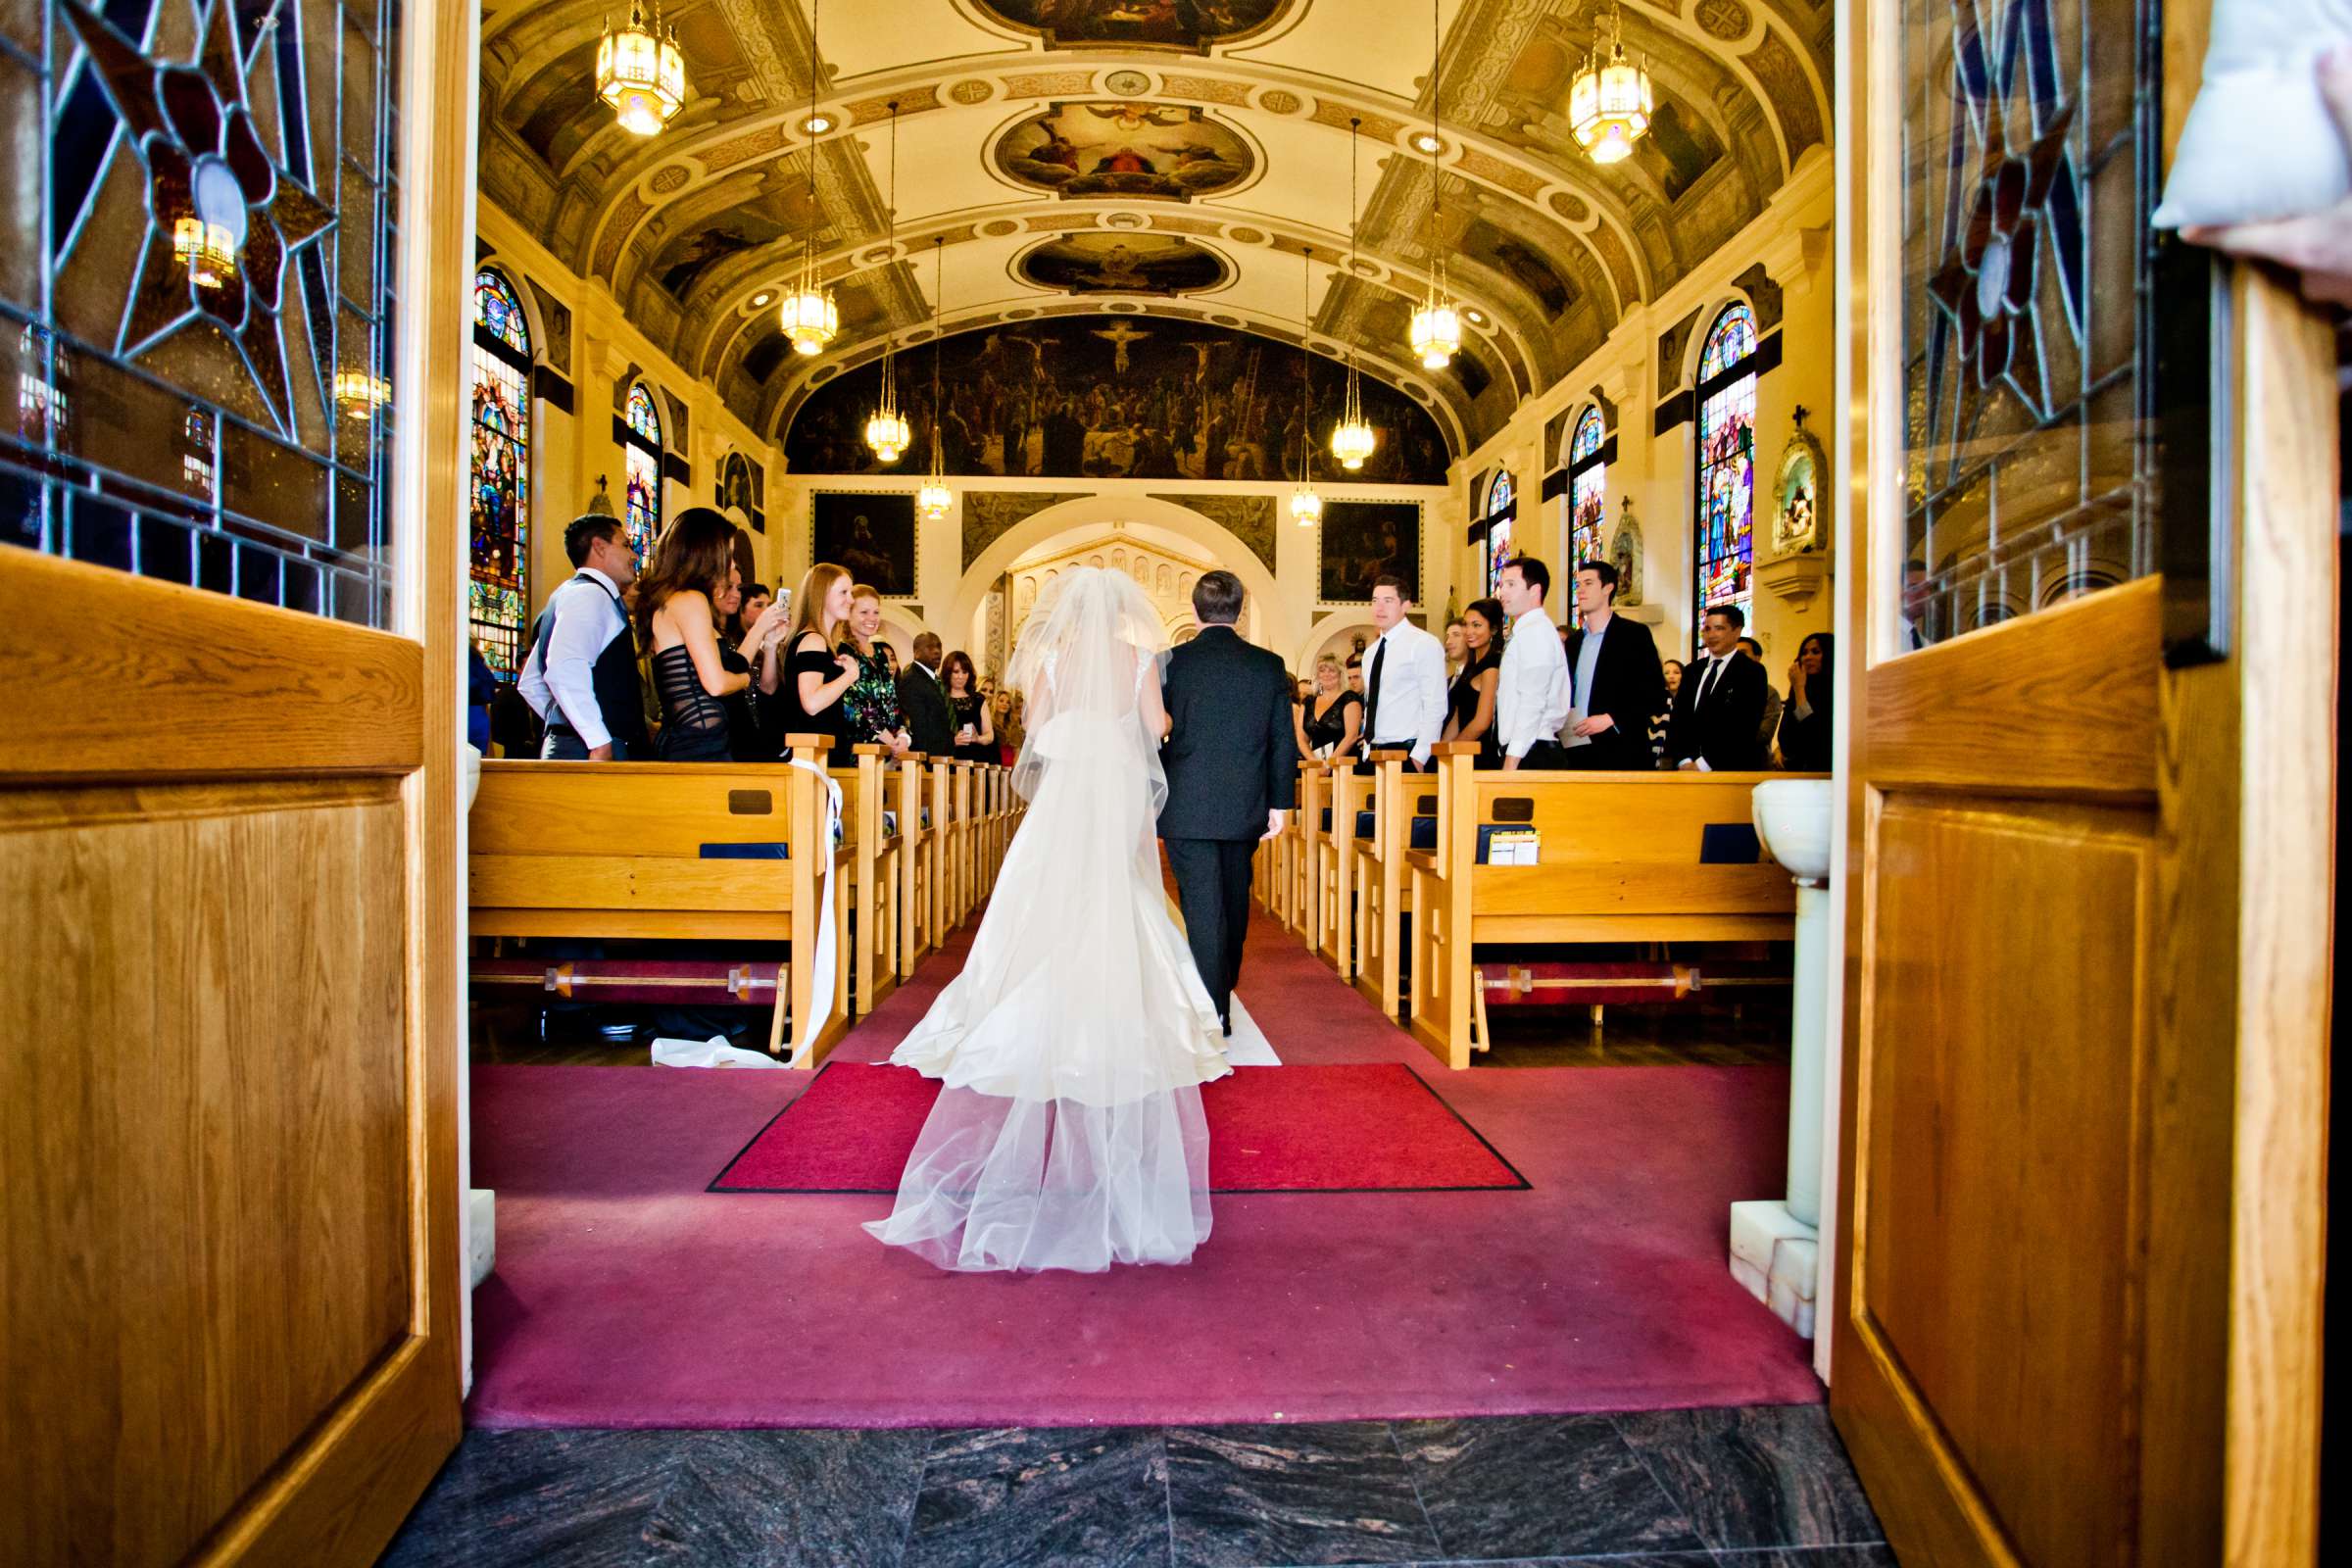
<point>1706,682</point>
<point>1380,651</point>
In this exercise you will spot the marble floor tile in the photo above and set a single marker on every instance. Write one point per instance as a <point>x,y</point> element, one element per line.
<point>781,1500</point>
<point>566,1500</point>
<point>1293,1494</point>
<point>1760,1476</point>
<point>1035,1499</point>
<point>1539,1486</point>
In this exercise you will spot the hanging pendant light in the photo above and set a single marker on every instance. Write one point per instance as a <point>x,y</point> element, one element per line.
<point>886,430</point>
<point>640,72</point>
<point>935,499</point>
<point>1610,101</point>
<point>1437,329</point>
<point>1306,507</point>
<point>811,317</point>
<point>1353,438</point>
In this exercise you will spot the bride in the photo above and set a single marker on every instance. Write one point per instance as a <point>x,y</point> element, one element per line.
<point>1070,1049</point>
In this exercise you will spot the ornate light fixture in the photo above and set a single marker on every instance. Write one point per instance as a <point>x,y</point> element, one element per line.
<point>1436,330</point>
<point>1610,101</point>
<point>360,394</point>
<point>886,430</point>
<point>207,251</point>
<point>1306,507</point>
<point>1353,438</point>
<point>935,499</point>
<point>811,317</point>
<point>640,72</point>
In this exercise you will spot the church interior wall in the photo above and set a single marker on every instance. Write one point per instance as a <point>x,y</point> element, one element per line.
<point>1632,374</point>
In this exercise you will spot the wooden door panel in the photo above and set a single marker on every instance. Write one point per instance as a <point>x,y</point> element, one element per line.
<point>207,1156</point>
<point>1991,1085</point>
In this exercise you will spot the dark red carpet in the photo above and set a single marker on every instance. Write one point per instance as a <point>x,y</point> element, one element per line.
<point>626,1295</point>
<point>1357,1127</point>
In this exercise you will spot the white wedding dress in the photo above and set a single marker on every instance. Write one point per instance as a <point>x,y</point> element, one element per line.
<point>1070,1049</point>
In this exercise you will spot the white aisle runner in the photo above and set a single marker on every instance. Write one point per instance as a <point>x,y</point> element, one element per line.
<point>1248,1046</point>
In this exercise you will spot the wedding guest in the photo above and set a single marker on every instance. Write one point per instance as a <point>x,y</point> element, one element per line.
<point>1355,673</point>
<point>1471,699</point>
<point>1615,682</point>
<point>923,699</point>
<point>815,677</point>
<point>677,622</point>
<point>1456,644</point>
<point>1531,698</point>
<point>1772,699</point>
<point>1010,730</point>
<point>1332,721</point>
<point>1404,679</point>
<point>1721,702</point>
<point>1658,720</point>
<point>748,739</point>
<point>975,735</point>
<point>2317,245</point>
<point>870,714</point>
<point>580,677</point>
<point>755,599</point>
<point>481,688</point>
<point>1805,719</point>
<point>1673,670</point>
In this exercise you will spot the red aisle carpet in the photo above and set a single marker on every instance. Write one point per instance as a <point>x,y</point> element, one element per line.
<point>627,1296</point>
<point>1341,1127</point>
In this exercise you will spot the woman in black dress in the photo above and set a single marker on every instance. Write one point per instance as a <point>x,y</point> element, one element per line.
<point>749,641</point>
<point>1332,721</point>
<point>815,677</point>
<point>678,598</point>
<point>1805,716</point>
<point>975,731</point>
<point>1470,704</point>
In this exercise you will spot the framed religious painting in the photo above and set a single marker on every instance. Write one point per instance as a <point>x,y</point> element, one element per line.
<point>1363,541</point>
<point>868,532</point>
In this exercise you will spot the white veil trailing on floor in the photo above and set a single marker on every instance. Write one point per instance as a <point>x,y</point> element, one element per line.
<point>1072,1047</point>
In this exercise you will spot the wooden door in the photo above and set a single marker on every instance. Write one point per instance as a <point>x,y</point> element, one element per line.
<point>230,644</point>
<point>2090,699</point>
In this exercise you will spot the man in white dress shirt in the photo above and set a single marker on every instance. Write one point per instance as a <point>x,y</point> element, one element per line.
<point>580,677</point>
<point>1404,679</point>
<point>1531,700</point>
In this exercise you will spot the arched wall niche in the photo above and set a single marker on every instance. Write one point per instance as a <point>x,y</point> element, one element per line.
<point>1085,517</point>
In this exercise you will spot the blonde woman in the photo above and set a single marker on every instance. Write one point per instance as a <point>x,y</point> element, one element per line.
<point>871,708</point>
<point>815,677</point>
<point>1333,720</point>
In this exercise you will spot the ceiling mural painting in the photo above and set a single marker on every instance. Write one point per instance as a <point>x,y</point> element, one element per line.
<point>1026,139</point>
<point>1190,25</point>
<point>1122,263</point>
<point>1099,396</point>
<point>1158,151</point>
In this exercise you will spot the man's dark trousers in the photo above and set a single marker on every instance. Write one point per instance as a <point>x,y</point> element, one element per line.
<point>1212,889</point>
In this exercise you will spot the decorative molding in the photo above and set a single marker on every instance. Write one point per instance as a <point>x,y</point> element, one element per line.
<point>1248,519</point>
<point>990,515</point>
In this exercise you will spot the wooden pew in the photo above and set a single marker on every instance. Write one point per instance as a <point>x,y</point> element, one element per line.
<point>1621,861</point>
<point>1307,882</point>
<point>918,861</point>
<point>616,849</point>
<point>1346,792</point>
<point>871,826</point>
<point>1380,889</point>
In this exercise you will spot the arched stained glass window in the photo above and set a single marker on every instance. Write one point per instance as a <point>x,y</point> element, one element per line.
<point>1588,500</point>
<point>1503,510</point>
<point>642,512</point>
<point>498,594</point>
<point>1726,552</point>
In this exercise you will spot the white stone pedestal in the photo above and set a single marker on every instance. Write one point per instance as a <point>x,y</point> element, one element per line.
<point>482,1235</point>
<point>1777,1257</point>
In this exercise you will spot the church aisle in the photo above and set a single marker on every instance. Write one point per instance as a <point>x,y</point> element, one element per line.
<point>628,1296</point>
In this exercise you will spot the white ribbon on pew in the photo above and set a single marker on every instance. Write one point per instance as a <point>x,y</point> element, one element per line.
<point>820,962</point>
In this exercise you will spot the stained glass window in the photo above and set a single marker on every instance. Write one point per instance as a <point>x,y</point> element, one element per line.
<point>1726,464</point>
<point>1588,500</point>
<point>182,402</point>
<point>2029,301</point>
<point>498,596</point>
<point>642,511</point>
<point>1503,510</point>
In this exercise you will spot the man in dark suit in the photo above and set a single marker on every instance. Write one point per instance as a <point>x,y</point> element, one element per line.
<point>923,699</point>
<point>1720,708</point>
<point>1232,760</point>
<point>1614,677</point>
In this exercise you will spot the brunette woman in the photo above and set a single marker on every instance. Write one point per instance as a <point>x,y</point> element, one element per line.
<point>975,731</point>
<point>1470,703</point>
<point>678,624</point>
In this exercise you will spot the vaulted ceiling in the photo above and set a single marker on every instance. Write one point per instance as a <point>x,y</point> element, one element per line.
<point>1241,111</point>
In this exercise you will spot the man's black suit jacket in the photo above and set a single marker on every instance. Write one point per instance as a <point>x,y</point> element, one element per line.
<point>1629,684</point>
<point>930,722</point>
<point>1725,731</point>
<point>1232,755</point>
